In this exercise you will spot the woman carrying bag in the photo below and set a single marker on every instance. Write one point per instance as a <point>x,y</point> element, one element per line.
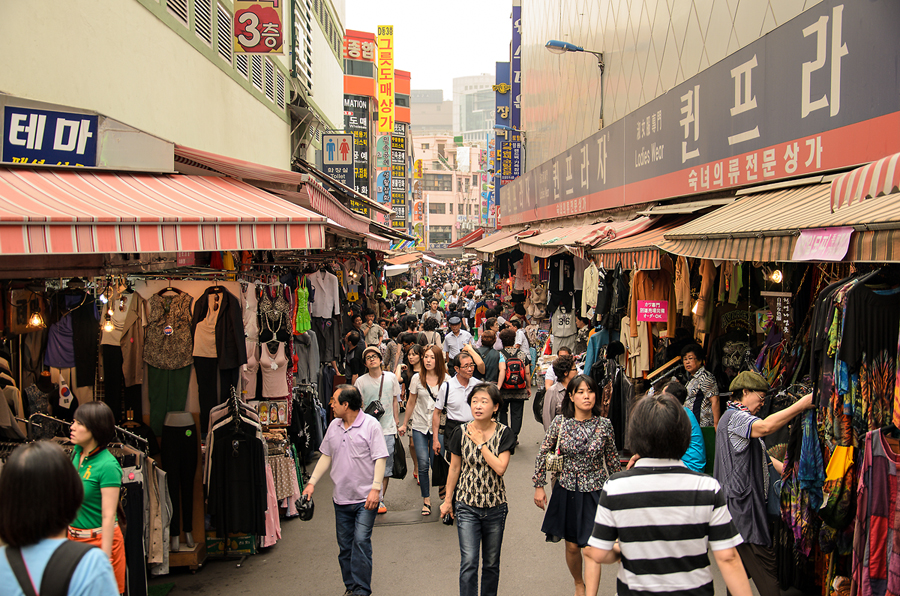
<point>580,448</point>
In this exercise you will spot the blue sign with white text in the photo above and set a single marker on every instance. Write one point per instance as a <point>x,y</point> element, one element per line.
<point>51,138</point>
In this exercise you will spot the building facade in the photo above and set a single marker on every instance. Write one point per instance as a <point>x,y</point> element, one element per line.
<point>431,114</point>
<point>473,107</point>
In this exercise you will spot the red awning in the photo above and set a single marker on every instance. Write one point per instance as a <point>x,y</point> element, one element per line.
<point>878,178</point>
<point>467,239</point>
<point>50,211</point>
<point>375,242</point>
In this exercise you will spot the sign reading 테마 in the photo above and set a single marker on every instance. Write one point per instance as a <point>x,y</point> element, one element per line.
<point>49,138</point>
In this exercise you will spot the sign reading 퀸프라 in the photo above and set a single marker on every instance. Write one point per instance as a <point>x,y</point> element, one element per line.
<point>384,65</point>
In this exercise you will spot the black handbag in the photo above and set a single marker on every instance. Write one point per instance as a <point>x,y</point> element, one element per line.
<point>376,408</point>
<point>399,470</point>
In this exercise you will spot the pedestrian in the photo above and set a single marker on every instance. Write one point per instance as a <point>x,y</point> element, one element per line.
<point>515,374</point>
<point>742,468</point>
<point>476,493</point>
<point>550,377</point>
<point>371,331</point>
<point>583,324</point>
<point>355,449</point>
<point>469,310</point>
<point>431,335</point>
<point>492,360</point>
<point>703,391</point>
<point>93,429</point>
<point>424,387</point>
<point>354,367</point>
<point>453,402</point>
<point>695,456</point>
<point>434,313</point>
<point>391,349</point>
<point>457,338</point>
<point>382,386</point>
<point>521,339</point>
<point>565,371</point>
<point>41,495</point>
<point>491,324</point>
<point>587,445</point>
<point>683,511</point>
<point>411,365</point>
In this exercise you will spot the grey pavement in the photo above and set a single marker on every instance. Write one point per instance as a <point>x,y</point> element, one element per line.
<point>409,560</point>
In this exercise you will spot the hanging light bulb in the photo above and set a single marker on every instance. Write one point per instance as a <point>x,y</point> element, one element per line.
<point>36,321</point>
<point>108,325</point>
<point>694,308</point>
<point>777,276</point>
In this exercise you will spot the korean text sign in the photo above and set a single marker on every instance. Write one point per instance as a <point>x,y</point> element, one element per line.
<point>385,67</point>
<point>259,26</point>
<point>652,311</point>
<point>51,138</point>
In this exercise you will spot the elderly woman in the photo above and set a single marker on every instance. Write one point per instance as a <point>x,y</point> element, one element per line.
<point>742,469</point>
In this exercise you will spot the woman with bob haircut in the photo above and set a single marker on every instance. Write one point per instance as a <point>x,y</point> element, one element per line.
<point>92,431</point>
<point>587,444</point>
<point>664,515</point>
<point>41,494</point>
<point>476,493</point>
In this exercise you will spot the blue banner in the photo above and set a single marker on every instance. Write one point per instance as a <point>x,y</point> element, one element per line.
<point>51,138</point>
<point>383,186</point>
<point>515,114</point>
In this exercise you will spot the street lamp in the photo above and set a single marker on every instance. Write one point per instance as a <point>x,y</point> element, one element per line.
<point>561,47</point>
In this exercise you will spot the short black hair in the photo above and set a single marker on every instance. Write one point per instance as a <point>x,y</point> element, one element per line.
<point>400,308</point>
<point>508,337</point>
<point>659,428</point>
<point>676,390</point>
<point>410,322</point>
<point>519,309</point>
<point>490,322</point>
<point>353,337</point>
<point>562,366</point>
<point>350,397</point>
<point>490,389</point>
<point>568,406</point>
<point>462,355</point>
<point>565,349</point>
<point>408,338</point>
<point>394,331</point>
<point>41,494</point>
<point>98,418</point>
<point>517,323</point>
<point>585,320</point>
<point>430,324</point>
<point>696,350</point>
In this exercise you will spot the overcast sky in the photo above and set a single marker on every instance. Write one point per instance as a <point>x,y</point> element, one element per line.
<point>439,41</point>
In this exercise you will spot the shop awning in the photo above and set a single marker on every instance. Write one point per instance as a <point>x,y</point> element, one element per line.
<point>433,261</point>
<point>640,251</point>
<point>684,208</point>
<point>576,238</point>
<point>767,226</point>
<point>340,186</point>
<point>490,239</point>
<point>505,243</point>
<point>383,230</point>
<point>392,270</point>
<point>878,178</point>
<point>375,242</point>
<point>467,239</point>
<point>52,211</point>
<point>405,259</point>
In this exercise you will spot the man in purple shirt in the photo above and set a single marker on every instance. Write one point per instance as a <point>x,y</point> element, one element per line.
<point>355,445</point>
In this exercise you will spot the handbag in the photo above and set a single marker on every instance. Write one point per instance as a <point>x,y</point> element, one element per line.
<point>555,458</point>
<point>376,409</point>
<point>443,423</point>
<point>399,470</point>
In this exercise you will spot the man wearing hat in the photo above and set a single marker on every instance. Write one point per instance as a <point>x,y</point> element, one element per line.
<point>456,339</point>
<point>742,469</point>
<point>383,386</point>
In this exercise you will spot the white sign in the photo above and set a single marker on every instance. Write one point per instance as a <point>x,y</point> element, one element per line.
<point>337,150</point>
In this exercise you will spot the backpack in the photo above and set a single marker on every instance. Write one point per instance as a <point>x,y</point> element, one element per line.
<point>58,573</point>
<point>515,374</point>
<point>538,405</point>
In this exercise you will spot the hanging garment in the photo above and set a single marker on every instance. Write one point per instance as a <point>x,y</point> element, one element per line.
<point>653,285</point>
<point>638,351</point>
<point>303,321</point>
<point>562,273</point>
<point>250,371</point>
<point>231,350</point>
<point>168,343</point>
<point>590,285</point>
<point>273,367</point>
<point>250,309</point>
<point>79,336</point>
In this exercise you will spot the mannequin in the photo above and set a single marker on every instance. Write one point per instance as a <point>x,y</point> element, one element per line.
<point>44,383</point>
<point>180,448</point>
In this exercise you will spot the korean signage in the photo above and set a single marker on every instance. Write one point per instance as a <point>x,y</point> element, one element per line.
<point>796,101</point>
<point>652,311</point>
<point>359,49</point>
<point>418,173</point>
<point>515,113</point>
<point>383,186</point>
<point>356,122</point>
<point>510,161</point>
<point>780,304</point>
<point>502,122</point>
<point>337,153</point>
<point>383,151</point>
<point>259,26</point>
<point>50,138</point>
<point>400,188</point>
<point>825,244</point>
<point>385,80</point>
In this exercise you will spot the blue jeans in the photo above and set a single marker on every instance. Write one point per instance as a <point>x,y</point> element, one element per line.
<point>480,528</point>
<point>354,537</point>
<point>423,444</point>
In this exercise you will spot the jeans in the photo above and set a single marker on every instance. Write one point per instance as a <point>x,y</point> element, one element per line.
<point>479,528</point>
<point>512,409</point>
<point>423,444</point>
<point>354,536</point>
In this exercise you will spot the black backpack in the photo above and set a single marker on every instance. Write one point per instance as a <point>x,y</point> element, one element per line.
<point>58,573</point>
<point>538,405</point>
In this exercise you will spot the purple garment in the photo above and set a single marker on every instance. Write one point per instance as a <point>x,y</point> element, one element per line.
<point>353,452</point>
<point>60,347</point>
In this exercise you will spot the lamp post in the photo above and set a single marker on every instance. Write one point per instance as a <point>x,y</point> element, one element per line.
<point>561,47</point>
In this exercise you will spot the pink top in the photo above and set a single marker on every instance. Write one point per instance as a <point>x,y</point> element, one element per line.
<point>274,371</point>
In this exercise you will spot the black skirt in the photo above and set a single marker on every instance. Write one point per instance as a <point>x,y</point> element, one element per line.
<point>570,516</point>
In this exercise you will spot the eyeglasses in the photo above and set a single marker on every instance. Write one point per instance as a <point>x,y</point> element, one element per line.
<point>372,357</point>
<point>469,365</point>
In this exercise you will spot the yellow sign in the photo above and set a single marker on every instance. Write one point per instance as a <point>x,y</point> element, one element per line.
<point>385,66</point>
<point>417,171</point>
<point>502,88</point>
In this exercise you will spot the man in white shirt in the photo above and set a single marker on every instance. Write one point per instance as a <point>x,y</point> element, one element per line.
<point>521,338</point>
<point>550,377</point>
<point>455,397</point>
<point>383,386</point>
<point>456,339</point>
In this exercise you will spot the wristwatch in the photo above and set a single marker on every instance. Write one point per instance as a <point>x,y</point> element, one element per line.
<point>482,445</point>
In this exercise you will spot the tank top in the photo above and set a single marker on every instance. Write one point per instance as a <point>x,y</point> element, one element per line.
<point>249,308</point>
<point>205,332</point>
<point>274,371</point>
<point>250,371</point>
<point>303,321</point>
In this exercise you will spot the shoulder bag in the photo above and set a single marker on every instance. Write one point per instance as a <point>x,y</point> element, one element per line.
<point>376,409</point>
<point>555,458</point>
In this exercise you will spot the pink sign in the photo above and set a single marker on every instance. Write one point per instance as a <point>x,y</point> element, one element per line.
<point>823,244</point>
<point>652,311</point>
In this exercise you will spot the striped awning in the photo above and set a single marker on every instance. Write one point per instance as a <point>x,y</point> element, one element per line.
<point>485,240</point>
<point>575,239</point>
<point>467,239</point>
<point>878,178</point>
<point>375,242</point>
<point>50,211</point>
<point>766,226</point>
<point>404,259</point>
<point>505,243</point>
<point>639,251</point>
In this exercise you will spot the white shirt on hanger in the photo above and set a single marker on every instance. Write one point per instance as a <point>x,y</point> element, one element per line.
<point>327,302</point>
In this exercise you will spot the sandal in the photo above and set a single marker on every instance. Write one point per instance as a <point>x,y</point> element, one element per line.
<point>426,510</point>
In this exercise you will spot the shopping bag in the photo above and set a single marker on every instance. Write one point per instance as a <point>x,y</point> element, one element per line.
<point>399,471</point>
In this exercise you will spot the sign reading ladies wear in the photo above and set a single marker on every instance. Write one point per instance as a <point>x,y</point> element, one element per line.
<point>50,138</point>
<point>385,67</point>
<point>258,26</point>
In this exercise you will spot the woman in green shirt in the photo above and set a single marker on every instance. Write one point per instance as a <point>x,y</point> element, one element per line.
<point>92,431</point>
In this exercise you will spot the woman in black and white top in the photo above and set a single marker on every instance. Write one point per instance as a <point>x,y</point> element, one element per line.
<point>480,455</point>
<point>424,387</point>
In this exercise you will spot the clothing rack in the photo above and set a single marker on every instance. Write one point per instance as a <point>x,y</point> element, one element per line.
<point>144,443</point>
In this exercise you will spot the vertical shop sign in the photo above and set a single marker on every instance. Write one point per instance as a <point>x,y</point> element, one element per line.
<point>356,122</point>
<point>259,26</point>
<point>515,113</point>
<point>502,122</point>
<point>337,157</point>
<point>385,67</point>
<point>383,186</point>
<point>780,304</point>
<point>510,161</point>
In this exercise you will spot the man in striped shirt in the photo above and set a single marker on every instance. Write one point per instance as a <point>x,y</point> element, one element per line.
<point>659,517</point>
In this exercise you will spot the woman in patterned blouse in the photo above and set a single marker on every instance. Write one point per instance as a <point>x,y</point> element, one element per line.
<point>587,445</point>
<point>480,456</point>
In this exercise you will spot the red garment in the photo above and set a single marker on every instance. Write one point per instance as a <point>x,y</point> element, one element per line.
<point>654,284</point>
